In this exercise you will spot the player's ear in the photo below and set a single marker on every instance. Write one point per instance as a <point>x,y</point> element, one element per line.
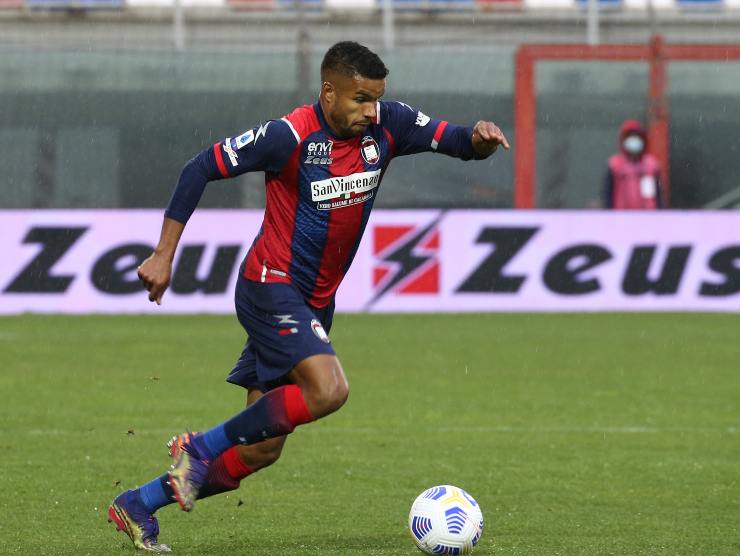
<point>328,91</point>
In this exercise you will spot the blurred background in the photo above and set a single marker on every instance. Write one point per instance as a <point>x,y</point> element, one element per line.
<point>103,101</point>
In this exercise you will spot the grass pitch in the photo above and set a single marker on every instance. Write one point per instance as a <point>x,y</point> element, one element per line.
<point>578,434</point>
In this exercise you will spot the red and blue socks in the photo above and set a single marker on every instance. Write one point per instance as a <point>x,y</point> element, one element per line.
<point>156,494</point>
<point>224,474</point>
<point>277,413</point>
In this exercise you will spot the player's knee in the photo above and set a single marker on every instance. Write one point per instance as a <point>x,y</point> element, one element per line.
<point>339,394</point>
<point>328,397</point>
<point>323,384</point>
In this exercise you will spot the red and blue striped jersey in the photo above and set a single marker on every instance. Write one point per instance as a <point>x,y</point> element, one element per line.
<point>320,187</point>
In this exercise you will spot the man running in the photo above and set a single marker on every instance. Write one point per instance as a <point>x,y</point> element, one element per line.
<point>323,165</point>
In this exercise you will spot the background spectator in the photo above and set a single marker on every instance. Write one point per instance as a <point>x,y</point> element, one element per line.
<point>633,174</point>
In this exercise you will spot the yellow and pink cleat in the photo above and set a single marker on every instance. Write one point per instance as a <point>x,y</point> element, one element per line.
<point>189,470</point>
<point>130,516</point>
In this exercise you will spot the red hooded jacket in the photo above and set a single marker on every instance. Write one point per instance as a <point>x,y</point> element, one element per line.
<point>632,181</point>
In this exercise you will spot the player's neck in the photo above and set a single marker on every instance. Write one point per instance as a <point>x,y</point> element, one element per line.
<point>327,119</point>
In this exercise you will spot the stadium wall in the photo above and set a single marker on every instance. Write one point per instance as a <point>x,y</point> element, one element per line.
<point>107,129</point>
<point>259,25</point>
<point>409,261</point>
<point>408,5</point>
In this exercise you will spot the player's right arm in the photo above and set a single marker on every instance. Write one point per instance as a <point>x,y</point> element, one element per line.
<point>266,148</point>
<point>156,271</point>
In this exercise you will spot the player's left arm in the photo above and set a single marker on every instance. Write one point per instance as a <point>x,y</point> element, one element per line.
<point>415,132</point>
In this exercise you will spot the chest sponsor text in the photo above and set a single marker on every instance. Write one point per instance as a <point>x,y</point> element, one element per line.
<point>343,187</point>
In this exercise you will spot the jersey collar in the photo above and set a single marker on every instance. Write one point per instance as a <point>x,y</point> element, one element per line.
<point>324,125</point>
<point>327,129</point>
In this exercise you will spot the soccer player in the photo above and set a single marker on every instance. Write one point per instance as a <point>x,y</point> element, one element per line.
<point>323,165</point>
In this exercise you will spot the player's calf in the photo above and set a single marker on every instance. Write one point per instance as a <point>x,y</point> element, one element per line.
<point>225,474</point>
<point>275,414</point>
<point>260,455</point>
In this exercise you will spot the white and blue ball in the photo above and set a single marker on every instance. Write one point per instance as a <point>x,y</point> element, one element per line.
<point>445,520</point>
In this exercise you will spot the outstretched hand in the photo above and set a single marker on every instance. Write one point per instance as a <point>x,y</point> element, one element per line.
<point>155,272</point>
<point>487,137</point>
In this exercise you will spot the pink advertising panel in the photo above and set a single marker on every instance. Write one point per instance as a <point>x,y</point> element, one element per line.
<point>409,261</point>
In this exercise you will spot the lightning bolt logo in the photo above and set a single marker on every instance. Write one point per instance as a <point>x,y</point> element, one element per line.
<point>285,319</point>
<point>261,132</point>
<point>406,260</point>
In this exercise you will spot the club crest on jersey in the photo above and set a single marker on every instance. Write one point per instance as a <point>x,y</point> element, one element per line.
<point>369,150</point>
<point>319,331</point>
<point>319,153</point>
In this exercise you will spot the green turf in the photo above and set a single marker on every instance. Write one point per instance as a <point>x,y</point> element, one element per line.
<point>579,434</point>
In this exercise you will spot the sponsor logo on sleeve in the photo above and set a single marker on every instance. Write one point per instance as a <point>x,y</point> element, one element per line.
<point>422,119</point>
<point>244,139</point>
<point>261,132</point>
<point>230,151</point>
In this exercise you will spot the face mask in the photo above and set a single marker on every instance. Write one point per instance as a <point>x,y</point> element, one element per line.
<point>633,144</point>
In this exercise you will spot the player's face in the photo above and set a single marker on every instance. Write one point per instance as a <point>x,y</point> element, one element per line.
<point>350,103</point>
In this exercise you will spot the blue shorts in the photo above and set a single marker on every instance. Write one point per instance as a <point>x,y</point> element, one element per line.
<point>282,328</point>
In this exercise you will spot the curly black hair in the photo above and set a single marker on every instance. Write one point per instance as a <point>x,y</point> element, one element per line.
<point>351,58</point>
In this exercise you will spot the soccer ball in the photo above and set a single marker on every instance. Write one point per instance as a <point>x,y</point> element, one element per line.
<point>445,520</point>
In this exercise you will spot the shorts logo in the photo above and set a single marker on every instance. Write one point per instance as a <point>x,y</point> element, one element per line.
<point>319,331</point>
<point>369,150</point>
<point>319,153</point>
<point>406,259</point>
<point>285,319</point>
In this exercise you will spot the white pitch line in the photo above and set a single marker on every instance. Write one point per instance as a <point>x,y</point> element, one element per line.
<point>461,429</point>
<point>545,430</point>
<point>593,430</point>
